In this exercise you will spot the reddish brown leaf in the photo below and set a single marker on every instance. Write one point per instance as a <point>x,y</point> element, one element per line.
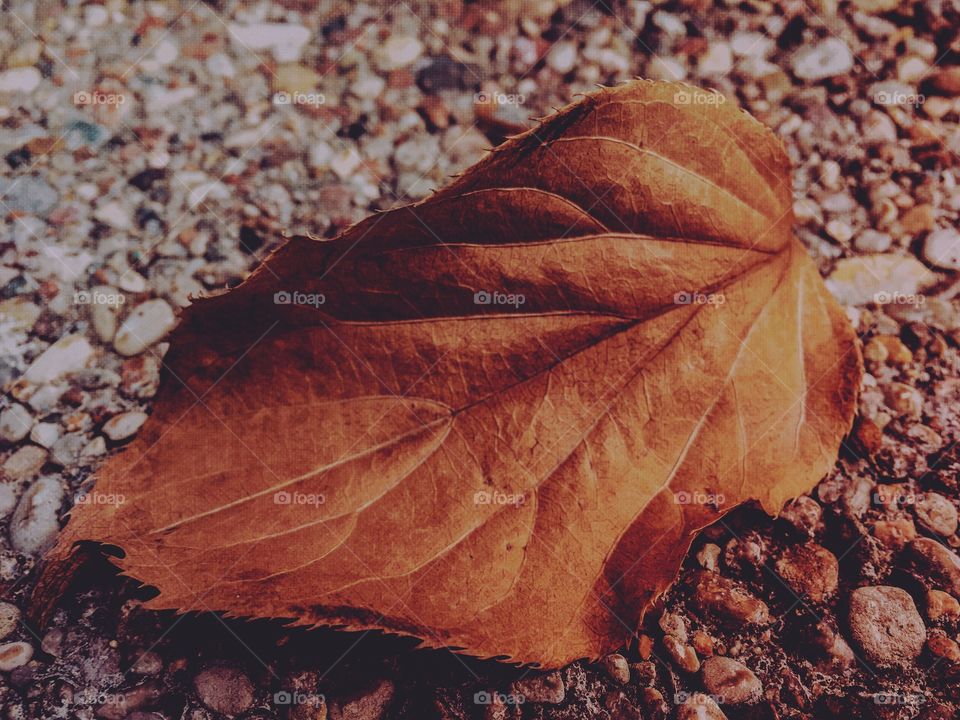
<point>515,480</point>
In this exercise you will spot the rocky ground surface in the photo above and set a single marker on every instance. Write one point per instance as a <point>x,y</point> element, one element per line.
<point>155,150</point>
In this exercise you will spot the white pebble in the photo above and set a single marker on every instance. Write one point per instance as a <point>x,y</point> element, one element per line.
<point>66,355</point>
<point>15,423</point>
<point>147,323</point>
<point>398,52</point>
<point>942,249</point>
<point>45,434</point>
<point>114,214</point>
<point>284,41</point>
<point>125,425</point>
<point>221,65</point>
<point>562,57</point>
<point>24,79</point>
<point>14,655</point>
<point>345,162</point>
<point>34,526</point>
<point>827,58</point>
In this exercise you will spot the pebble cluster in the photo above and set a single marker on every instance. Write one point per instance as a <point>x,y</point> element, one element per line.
<point>154,151</point>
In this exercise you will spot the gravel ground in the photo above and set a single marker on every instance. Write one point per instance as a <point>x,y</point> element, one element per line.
<point>156,150</point>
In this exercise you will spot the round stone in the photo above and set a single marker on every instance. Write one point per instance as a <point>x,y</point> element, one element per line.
<point>731,680</point>
<point>224,690</point>
<point>886,626</point>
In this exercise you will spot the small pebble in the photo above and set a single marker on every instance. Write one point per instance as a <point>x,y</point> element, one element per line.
<point>876,351</point>
<point>896,352</point>
<point>224,690</point>
<point>674,626</point>
<point>123,426</point>
<point>934,563</point>
<point>894,533</point>
<point>832,646</point>
<point>45,434</point>
<point>872,241</point>
<point>717,595</point>
<point>708,556</point>
<point>19,313</point>
<point>617,668</point>
<point>547,688</point>
<point>15,423</point>
<point>809,570</point>
<point>69,354</point>
<point>945,80</point>
<point>115,214</point>
<point>93,449</point>
<point>732,680</point>
<point>702,643</point>
<point>839,231</point>
<point>941,646</point>
<point>9,619</point>
<point>828,58</point>
<point>8,499</point>
<point>936,514</point>
<point>398,52</point>
<point>25,463</point>
<point>371,703</point>
<point>34,525</point>
<point>918,219</point>
<point>148,663</point>
<point>718,60</point>
<point>30,194</point>
<point>942,249</point>
<point>905,400</point>
<point>140,377</point>
<point>14,655</point>
<point>562,57</point>
<point>345,163</point>
<point>683,656</point>
<point>145,325</point>
<point>285,41</point>
<point>941,605</point>
<point>804,514</point>
<point>20,80</point>
<point>885,624</point>
<point>66,451</point>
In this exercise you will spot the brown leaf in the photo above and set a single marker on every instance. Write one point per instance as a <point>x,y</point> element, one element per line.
<point>516,480</point>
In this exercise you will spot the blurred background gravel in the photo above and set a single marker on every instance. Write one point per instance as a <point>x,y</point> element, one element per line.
<point>150,151</point>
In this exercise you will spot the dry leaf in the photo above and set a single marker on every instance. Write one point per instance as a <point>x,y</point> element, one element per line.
<point>494,420</point>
